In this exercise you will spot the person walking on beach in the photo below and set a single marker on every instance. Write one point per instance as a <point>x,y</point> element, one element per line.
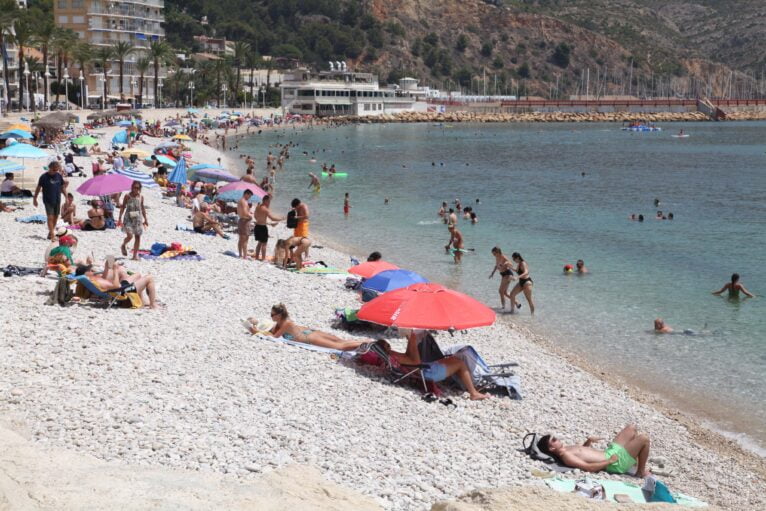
<point>504,266</point>
<point>133,218</point>
<point>524,284</point>
<point>53,187</point>
<point>346,204</point>
<point>734,287</point>
<point>243,223</point>
<point>262,215</point>
<point>457,245</point>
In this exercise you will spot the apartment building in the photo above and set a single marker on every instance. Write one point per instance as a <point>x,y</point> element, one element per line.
<point>106,22</point>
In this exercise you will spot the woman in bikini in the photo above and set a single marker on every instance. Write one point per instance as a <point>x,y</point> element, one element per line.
<point>524,285</point>
<point>95,220</point>
<point>291,331</point>
<point>505,267</point>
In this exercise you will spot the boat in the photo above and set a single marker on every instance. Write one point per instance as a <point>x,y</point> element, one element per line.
<point>641,128</point>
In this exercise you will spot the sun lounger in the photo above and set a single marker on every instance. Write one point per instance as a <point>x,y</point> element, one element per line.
<point>490,378</point>
<point>110,296</point>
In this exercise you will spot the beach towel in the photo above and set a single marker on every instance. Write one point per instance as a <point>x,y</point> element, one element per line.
<point>186,228</point>
<point>633,491</point>
<point>19,271</point>
<point>34,219</point>
<point>176,257</point>
<point>310,347</point>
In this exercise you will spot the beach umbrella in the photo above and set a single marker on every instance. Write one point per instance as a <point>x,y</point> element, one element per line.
<point>85,140</point>
<point>181,136</point>
<point>371,268</point>
<point>390,280</point>
<point>121,137</point>
<point>145,179</point>
<point>16,134</point>
<point>213,176</point>
<point>427,307</point>
<point>126,124</point>
<point>9,166</point>
<point>232,192</point>
<point>23,151</point>
<point>140,153</point>
<point>192,110</point>
<point>203,166</point>
<point>178,175</point>
<point>20,126</point>
<point>105,184</point>
<point>165,160</point>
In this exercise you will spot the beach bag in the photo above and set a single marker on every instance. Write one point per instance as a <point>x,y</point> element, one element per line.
<point>590,489</point>
<point>158,248</point>
<point>530,448</point>
<point>292,223</point>
<point>62,293</point>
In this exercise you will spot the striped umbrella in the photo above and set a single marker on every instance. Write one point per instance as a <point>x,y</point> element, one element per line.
<point>9,166</point>
<point>145,179</point>
<point>178,175</point>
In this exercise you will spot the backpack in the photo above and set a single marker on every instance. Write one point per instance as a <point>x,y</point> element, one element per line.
<point>533,452</point>
<point>292,222</point>
<point>62,293</point>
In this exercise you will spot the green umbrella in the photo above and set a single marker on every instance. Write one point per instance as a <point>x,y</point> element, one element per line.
<point>85,140</point>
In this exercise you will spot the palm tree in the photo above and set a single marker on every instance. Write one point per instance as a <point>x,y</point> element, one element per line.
<point>142,66</point>
<point>45,31</point>
<point>221,69</point>
<point>252,62</point>
<point>82,53</point>
<point>160,53</point>
<point>120,50</point>
<point>63,45</point>
<point>22,37</point>
<point>241,51</point>
<point>103,55</point>
<point>9,10</point>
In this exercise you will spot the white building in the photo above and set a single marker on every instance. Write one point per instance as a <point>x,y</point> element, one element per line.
<point>342,92</point>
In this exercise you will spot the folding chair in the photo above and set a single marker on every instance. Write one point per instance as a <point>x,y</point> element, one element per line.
<point>110,296</point>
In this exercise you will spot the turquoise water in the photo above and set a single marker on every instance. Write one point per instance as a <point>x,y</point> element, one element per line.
<point>534,200</point>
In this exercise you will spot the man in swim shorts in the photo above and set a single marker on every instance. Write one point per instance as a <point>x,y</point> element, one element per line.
<point>302,217</point>
<point>628,448</point>
<point>244,222</point>
<point>262,215</point>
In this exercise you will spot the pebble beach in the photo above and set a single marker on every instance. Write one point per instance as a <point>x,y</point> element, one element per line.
<point>186,388</point>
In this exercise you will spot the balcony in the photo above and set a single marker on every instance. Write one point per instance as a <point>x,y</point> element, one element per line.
<point>121,25</point>
<point>126,10</point>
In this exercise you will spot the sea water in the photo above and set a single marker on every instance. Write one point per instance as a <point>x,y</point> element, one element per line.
<point>560,192</point>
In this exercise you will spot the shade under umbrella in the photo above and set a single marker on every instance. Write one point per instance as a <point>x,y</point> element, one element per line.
<point>391,280</point>
<point>178,175</point>
<point>169,162</point>
<point>371,268</point>
<point>213,176</point>
<point>427,307</point>
<point>105,184</point>
<point>146,180</point>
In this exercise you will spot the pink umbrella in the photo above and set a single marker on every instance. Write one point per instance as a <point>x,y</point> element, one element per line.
<point>105,184</point>
<point>241,186</point>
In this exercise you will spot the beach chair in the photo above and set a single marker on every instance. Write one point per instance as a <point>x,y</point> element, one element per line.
<point>110,296</point>
<point>398,373</point>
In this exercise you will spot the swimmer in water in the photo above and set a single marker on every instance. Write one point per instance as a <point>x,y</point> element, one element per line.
<point>581,269</point>
<point>734,287</point>
<point>346,204</point>
<point>443,211</point>
<point>504,266</point>
<point>385,201</point>
<point>661,328</point>
<point>315,183</point>
<point>457,244</point>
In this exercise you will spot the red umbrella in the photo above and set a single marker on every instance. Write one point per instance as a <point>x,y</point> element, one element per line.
<point>371,268</point>
<point>428,307</point>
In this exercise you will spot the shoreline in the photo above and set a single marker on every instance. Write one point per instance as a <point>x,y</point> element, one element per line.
<point>187,388</point>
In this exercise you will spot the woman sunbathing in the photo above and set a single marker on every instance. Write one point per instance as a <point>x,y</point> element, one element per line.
<point>95,220</point>
<point>436,371</point>
<point>114,275</point>
<point>286,328</point>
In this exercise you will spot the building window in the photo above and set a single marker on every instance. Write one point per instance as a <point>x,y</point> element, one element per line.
<point>62,4</point>
<point>78,3</point>
<point>78,19</point>
<point>63,19</point>
<point>366,107</point>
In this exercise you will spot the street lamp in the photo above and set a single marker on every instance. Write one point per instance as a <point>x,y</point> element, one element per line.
<point>26,76</point>
<point>66,87</point>
<point>191,93</point>
<point>159,85</point>
<point>102,79</point>
<point>224,88</point>
<point>82,92</point>
<point>262,91</point>
<point>47,81</point>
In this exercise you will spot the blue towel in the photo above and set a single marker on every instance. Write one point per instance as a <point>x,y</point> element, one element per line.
<point>34,219</point>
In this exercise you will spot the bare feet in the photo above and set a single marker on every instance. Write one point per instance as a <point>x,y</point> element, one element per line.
<point>479,396</point>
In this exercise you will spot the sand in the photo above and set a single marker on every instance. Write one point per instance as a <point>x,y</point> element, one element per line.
<point>185,389</point>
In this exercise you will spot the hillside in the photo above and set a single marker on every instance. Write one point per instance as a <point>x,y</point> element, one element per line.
<point>544,47</point>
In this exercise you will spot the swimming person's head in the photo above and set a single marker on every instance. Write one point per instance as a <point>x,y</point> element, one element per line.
<point>279,311</point>
<point>580,263</point>
<point>375,256</point>
<point>659,324</point>
<point>640,218</point>
<point>734,278</point>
